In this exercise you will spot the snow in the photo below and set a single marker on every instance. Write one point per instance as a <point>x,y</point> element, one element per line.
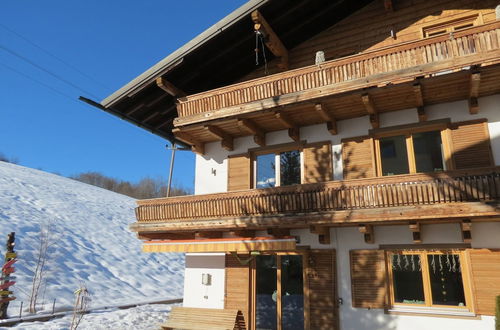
<point>137,318</point>
<point>92,243</point>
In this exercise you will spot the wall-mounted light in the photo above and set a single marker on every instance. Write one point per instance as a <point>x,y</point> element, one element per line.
<point>206,279</point>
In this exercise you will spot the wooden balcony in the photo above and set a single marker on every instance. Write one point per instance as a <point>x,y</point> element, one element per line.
<point>443,66</point>
<point>454,194</point>
<point>447,52</point>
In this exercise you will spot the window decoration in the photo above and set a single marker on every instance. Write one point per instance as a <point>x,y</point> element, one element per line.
<point>427,278</point>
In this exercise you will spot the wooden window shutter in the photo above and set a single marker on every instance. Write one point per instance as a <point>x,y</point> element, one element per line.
<point>239,172</point>
<point>237,293</point>
<point>318,164</point>
<point>322,290</point>
<point>358,157</point>
<point>368,278</point>
<point>471,144</point>
<point>485,272</point>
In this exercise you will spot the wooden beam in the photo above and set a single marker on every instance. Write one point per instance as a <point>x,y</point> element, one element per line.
<point>243,233</point>
<point>278,232</point>
<point>475,80</point>
<point>415,231</point>
<point>196,146</point>
<point>368,234</point>
<point>419,100</point>
<point>259,136</point>
<point>389,6</point>
<point>208,234</point>
<point>466,227</point>
<point>293,130</point>
<point>226,140</point>
<point>375,120</point>
<point>323,233</point>
<point>331,123</point>
<point>163,236</point>
<point>271,39</point>
<point>169,87</point>
<point>368,103</point>
<point>422,116</point>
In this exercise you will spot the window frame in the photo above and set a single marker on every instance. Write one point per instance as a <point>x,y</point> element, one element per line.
<point>465,271</point>
<point>407,131</point>
<point>447,25</point>
<point>277,150</point>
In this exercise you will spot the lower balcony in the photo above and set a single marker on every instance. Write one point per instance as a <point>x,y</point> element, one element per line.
<point>443,196</point>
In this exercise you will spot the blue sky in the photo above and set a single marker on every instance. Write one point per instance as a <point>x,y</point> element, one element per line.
<point>41,121</point>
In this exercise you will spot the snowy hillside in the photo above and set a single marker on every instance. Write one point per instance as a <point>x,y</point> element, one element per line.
<point>92,242</point>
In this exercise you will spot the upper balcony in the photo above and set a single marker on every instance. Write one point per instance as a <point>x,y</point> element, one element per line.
<point>447,195</point>
<point>433,70</point>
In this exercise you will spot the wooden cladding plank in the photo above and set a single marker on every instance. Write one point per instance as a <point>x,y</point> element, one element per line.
<point>322,289</point>
<point>318,162</point>
<point>368,279</point>
<point>485,271</point>
<point>358,157</point>
<point>239,172</point>
<point>471,144</point>
<point>237,292</point>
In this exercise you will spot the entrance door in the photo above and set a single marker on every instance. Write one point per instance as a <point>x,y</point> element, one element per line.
<point>279,292</point>
<point>294,291</point>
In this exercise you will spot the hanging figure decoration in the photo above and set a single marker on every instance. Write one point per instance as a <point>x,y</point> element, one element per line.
<point>259,43</point>
<point>6,279</point>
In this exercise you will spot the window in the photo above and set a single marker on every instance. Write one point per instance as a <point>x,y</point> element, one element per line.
<point>410,153</point>
<point>278,169</point>
<point>451,26</point>
<point>428,278</point>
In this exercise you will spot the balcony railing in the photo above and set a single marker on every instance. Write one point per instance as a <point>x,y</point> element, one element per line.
<point>395,191</point>
<point>461,44</point>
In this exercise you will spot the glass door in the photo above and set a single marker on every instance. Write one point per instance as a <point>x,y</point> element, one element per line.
<point>279,292</point>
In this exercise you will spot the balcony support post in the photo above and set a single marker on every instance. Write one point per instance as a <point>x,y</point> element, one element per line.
<point>293,130</point>
<point>323,233</point>
<point>208,234</point>
<point>417,90</point>
<point>466,227</point>
<point>415,231</point>
<point>325,114</point>
<point>196,146</point>
<point>371,109</point>
<point>259,136</point>
<point>226,140</point>
<point>475,80</point>
<point>278,232</point>
<point>368,234</point>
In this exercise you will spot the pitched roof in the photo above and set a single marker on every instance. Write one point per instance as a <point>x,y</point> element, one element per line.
<point>219,56</point>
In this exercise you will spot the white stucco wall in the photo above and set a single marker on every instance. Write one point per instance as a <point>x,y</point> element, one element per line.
<point>345,239</point>
<point>195,293</point>
<point>215,157</point>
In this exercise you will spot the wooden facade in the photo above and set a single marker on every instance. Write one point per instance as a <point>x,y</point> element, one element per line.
<point>384,59</point>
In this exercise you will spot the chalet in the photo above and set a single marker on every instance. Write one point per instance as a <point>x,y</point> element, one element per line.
<point>347,167</point>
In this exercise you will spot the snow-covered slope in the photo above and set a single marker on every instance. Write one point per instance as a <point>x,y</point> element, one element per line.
<point>92,242</point>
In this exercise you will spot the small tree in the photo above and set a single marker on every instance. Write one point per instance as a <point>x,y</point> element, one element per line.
<point>82,301</point>
<point>40,271</point>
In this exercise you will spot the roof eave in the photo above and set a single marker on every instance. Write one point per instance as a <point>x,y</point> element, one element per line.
<point>176,57</point>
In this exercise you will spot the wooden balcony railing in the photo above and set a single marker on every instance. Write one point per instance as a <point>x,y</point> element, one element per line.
<point>461,44</point>
<point>395,191</point>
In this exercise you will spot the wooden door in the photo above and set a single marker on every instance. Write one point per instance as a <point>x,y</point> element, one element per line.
<point>279,303</point>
